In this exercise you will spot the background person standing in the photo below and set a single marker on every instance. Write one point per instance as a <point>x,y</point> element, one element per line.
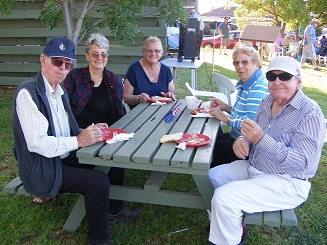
<point>194,14</point>
<point>224,29</point>
<point>309,41</point>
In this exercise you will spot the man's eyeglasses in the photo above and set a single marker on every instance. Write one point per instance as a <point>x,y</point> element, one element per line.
<point>58,63</point>
<point>282,76</point>
<point>243,62</point>
<point>150,51</point>
<point>96,55</point>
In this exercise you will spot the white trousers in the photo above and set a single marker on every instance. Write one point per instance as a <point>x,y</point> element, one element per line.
<point>242,188</point>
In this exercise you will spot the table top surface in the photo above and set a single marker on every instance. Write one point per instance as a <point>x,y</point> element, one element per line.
<point>144,151</point>
<point>173,62</point>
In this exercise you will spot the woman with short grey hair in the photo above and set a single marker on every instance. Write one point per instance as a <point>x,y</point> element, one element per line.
<point>98,39</point>
<point>252,88</point>
<point>96,95</point>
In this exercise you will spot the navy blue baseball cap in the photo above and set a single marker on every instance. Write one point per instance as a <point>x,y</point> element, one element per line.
<point>60,47</point>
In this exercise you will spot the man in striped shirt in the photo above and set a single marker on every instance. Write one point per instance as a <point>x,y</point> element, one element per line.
<point>283,145</point>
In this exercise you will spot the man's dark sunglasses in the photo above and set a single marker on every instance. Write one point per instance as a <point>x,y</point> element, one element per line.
<point>282,76</point>
<point>58,63</point>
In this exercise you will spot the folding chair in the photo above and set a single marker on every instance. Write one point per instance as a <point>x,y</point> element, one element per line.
<point>217,95</point>
<point>225,86</point>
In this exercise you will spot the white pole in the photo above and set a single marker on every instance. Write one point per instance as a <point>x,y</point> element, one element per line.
<point>213,50</point>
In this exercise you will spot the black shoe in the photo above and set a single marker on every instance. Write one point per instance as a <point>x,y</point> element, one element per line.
<point>126,213</point>
<point>317,69</point>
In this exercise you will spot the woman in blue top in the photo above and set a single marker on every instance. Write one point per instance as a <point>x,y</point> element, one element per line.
<point>148,77</point>
<point>252,89</point>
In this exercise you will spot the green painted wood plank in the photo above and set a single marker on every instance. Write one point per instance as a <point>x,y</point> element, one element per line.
<point>13,186</point>
<point>183,158</point>
<point>125,155</point>
<point>201,159</point>
<point>20,67</point>
<point>108,150</point>
<point>182,121</point>
<point>168,198</point>
<point>205,187</point>
<point>75,217</point>
<point>289,217</point>
<point>115,50</point>
<point>90,151</point>
<point>272,219</point>
<point>12,81</point>
<point>253,219</point>
<point>155,181</point>
<point>46,32</point>
<point>21,191</point>
<point>147,151</point>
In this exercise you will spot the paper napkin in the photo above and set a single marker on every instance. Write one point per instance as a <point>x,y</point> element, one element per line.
<point>181,146</point>
<point>158,103</point>
<point>120,137</point>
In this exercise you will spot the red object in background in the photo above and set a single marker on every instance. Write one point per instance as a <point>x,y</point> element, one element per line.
<point>234,37</point>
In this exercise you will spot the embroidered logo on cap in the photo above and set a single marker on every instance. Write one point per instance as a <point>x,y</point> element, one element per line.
<point>62,47</point>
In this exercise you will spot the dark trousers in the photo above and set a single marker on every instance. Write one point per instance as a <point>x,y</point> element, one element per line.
<point>94,186</point>
<point>115,175</point>
<point>223,151</point>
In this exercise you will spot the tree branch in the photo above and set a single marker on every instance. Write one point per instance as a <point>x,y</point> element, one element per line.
<point>65,6</point>
<point>86,7</point>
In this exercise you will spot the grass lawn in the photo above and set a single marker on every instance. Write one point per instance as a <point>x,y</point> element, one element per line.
<point>25,223</point>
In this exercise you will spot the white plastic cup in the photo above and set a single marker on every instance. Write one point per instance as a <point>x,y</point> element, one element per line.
<point>191,102</point>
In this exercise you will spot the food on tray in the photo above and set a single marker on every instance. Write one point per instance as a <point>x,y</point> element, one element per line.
<point>171,137</point>
<point>160,99</point>
<point>194,139</point>
<point>109,133</point>
<point>200,110</point>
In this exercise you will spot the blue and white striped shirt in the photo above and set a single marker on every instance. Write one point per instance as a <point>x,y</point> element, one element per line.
<point>293,139</point>
<point>249,97</point>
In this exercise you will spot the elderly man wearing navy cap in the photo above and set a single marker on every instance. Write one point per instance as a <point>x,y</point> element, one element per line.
<point>47,136</point>
<point>282,146</point>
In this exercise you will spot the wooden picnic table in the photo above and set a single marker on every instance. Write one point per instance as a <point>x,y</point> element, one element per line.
<point>145,152</point>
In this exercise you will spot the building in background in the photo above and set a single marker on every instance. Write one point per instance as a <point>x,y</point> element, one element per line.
<point>218,15</point>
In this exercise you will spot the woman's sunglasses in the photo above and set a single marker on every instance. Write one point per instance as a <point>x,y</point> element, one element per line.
<point>58,63</point>
<point>243,62</point>
<point>282,76</point>
<point>96,55</point>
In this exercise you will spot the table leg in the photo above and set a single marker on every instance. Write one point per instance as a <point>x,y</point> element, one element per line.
<point>174,73</point>
<point>193,78</point>
<point>205,188</point>
<point>76,216</point>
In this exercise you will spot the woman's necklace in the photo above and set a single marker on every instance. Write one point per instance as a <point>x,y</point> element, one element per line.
<point>150,73</point>
<point>151,77</point>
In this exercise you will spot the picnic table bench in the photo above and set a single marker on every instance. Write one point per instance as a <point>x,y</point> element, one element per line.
<point>144,152</point>
<point>274,219</point>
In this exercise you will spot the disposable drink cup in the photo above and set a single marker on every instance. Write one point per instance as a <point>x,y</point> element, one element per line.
<point>191,102</point>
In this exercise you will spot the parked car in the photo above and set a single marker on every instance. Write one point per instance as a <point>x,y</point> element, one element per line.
<point>234,37</point>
